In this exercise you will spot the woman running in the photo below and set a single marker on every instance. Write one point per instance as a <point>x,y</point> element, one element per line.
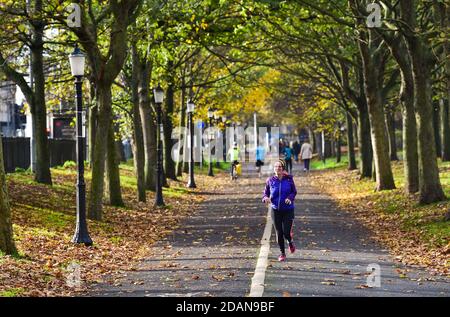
<point>280,193</point>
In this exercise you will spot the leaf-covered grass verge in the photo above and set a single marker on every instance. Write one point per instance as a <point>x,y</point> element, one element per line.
<point>416,234</point>
<point>44,222</point>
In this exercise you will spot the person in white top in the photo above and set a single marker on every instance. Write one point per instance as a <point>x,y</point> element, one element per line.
<point>306,154</point>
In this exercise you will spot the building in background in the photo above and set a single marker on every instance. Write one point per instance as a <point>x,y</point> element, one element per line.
<point>12,118</point>
<point>61,122</point>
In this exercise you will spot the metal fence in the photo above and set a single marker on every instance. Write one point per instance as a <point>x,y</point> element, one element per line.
<point>16,152</point>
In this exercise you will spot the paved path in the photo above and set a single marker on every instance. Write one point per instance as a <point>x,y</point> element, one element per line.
<point>334,255</point>
<point>215,252</point>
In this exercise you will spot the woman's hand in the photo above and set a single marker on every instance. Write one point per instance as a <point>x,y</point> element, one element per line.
<point>288,201</point>
<point>267,200</point>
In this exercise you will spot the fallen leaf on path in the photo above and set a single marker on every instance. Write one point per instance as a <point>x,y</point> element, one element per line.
<point>218,278</point>
<point>328,283</point>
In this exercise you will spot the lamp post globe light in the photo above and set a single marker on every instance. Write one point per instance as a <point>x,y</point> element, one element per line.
<point>158,93</point>
<point>77,61</point>
<point>190,111</point>
<point>211,113</point>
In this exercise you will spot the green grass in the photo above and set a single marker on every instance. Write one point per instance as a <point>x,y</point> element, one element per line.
<point>175,192</point>
<point>12,292</point>
<point>54,219</point>
<point>426,220</point>
<point>438,231</point>
<point>50,219</point>
<point>203,170</point>
<point>330,163</point>
<point>128,181</point>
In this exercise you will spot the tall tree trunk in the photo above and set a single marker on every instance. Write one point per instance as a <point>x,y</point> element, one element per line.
<point>390,124</point>
<point>148,124</point>
<point>371,59</point>
<point>169,165</point>
<point>333,148</point>
<point>163,174</point>
<point>6,231</point>
<point>445,12</point>
<point>34,94</point>
<point>384,176</point>
<point>139,159</point>
<point>445,129</point>
<point>430,189</point>
<point>444,15</point>
<point>410,154</point>
<point>114,193</point>
<point>104,70</point>
<point>397,46</point>
<point>312,140</point>
<point>98,163</point>
<point>364,142</point>
<point>182,125</point>
<point>138,138</point>
<point>436,127</point>
<point>92,124</point>
<point>351,143</point>
<point>338,149</point>
<point>38,107</point>
<point>358,97</point>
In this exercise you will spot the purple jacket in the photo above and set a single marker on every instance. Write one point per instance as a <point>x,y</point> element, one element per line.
<point>278,190</point>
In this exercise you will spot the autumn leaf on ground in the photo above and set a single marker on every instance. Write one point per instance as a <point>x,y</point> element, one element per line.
<point>44,219</point>
<point>329,282</point>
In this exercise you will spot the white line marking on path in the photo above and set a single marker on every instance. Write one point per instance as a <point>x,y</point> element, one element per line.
<point>257,288</point>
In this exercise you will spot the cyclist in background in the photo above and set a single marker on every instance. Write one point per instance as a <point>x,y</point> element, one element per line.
<point>233,153</point>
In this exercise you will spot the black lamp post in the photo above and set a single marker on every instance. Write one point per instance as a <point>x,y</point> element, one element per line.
<point>224,120</point>
<point>190,110</point>
<point>210,117</point>
<point>158,93</point>
<point>217,120</point>
<point>77,60</point>
<point>216,116</point>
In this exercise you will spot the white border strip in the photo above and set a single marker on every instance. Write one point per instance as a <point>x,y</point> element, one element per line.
<point>257,288</point>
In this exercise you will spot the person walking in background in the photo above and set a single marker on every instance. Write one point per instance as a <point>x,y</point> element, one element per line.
<point>260,155</point>
<point>281,147</point>
<point>296,150</point>
<point>280,193</point>
<point>306,154</point>
<point>288,158</point>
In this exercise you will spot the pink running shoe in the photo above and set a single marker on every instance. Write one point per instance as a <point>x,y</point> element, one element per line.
<point>282,258</point>
<point>292,247</point>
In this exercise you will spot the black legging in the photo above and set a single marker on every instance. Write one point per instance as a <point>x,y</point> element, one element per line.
<point>283,221</point>
<point>289,165</point>
<point>306,164</point>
